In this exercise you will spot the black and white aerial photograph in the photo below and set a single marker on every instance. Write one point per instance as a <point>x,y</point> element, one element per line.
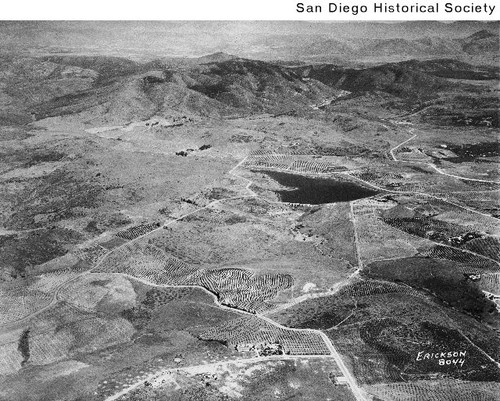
<point>249,210</point>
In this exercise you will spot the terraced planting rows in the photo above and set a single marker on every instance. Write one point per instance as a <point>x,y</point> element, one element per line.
<point>234,287</point>
<point>303,151</point>
<point>441,278</point>
<point>452,213</point>
<point>204,238</point>
<point>249,331</point>
<point>374,287</point>
<point>426,227</point>
<point>449,217</point>
<point>230,285</point>
<point>43,346</point>
<point>270,161</point>
<point>384,346</point>
<point>490,282</point>
<point>313,167</point>
<point>11,358</point>
<point>371,206</point>
<point>183,251</point>
<point>442,390</point>
<point>137,231</point>
<point>487,246</point>
<point>266,152</point>
<point>446,232</point>
<point>291,163</point>
<point>148,263</point>
<point>89,290</point>
<point>485,202</point>
<point>96,333</point>
<point>471,220</point>
<point>394,242</point>
<point>58,333</point>
<point>342,307</point>
<point>20,301</point>
<point>469,263</point>
<point>48,282</point>
<point>421,182</point>
<point>49,347</point>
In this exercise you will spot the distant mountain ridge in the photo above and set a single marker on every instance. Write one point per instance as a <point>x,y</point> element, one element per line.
<point>265,40</point>
<point>118,90</point>
<point>216,57</point>
<point>400,79</point>
<point>319,49</point>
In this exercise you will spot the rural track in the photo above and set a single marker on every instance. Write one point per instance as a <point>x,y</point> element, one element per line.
<point>390,191</point>
<point>57,290</point>
<point>305,297</point>
<point>445,316</point>
<point>249,182</point>
<point>358,393</point>
<point>431,165</point>
<point>437,243</point>
<point>425,194</point>
<point>438,170</point>
<point>417,111</point>
<point>195,369</point>
<point>13,323</point>
<point>54,299</point>
<point>399,145</point>
<point>337,286</point>
<point>356,239</point>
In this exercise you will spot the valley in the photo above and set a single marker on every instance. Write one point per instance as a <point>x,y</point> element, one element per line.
<point>232,227</point>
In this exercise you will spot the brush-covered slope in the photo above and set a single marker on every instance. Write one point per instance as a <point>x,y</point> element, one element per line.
<point>396,79</point>
<point>113,90</point>
<point>256,86</point>
<point>481,42</point>
<point>405,79</point>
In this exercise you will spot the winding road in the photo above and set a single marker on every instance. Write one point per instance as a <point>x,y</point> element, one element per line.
<point>431,165</point>
<point>358,393</point>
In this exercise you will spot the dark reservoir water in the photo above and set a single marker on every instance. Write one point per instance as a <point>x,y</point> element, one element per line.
<point>316,191</point>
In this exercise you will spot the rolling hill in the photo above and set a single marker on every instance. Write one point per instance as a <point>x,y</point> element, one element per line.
<point>111,89</point>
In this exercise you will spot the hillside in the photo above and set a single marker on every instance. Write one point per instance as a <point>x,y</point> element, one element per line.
<point>319,42</point>
<point>481,42</point>
<point>404,79</point>
<point>112,89</point>
<point>182,220</point>
<point>116,90</point>
<point>395,79</point>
